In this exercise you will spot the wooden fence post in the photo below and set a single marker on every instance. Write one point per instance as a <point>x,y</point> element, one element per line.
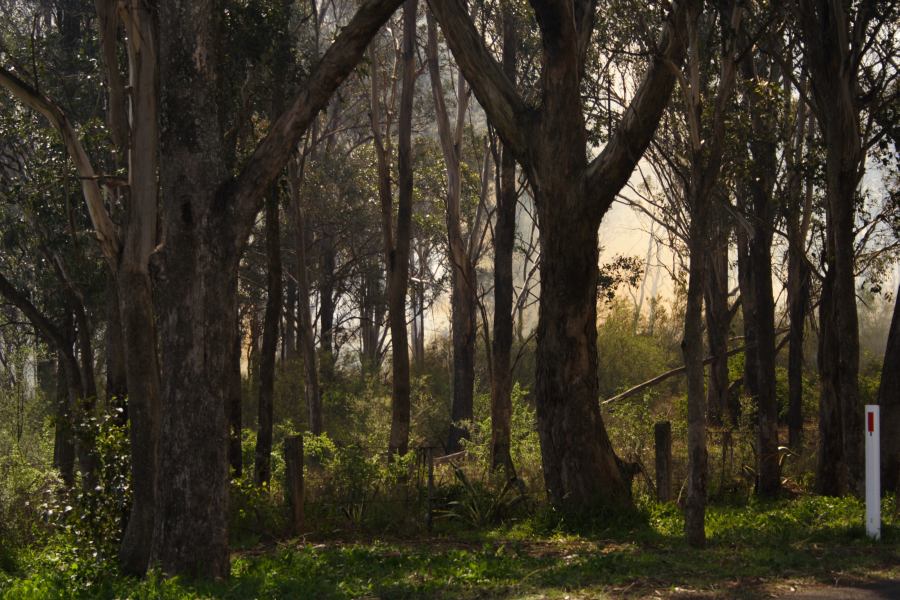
<point>293,475</point>
<point>662,433</point>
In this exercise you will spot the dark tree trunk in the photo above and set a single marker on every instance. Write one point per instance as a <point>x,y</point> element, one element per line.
<point>463,292</point>
<point>463,300</point>
<point>371,310</point>
<point>580,468</point>
<point>831,48</point>
<point>135,292</point>
<point>889,399</point>
<point>748,307</point>
<point>142,367</point>
<point>504,241</point>
<point>197,299</point>
<point>692,348</point>
<point>718,319</point>
<point>116,373</point>
<point>798,209</point>
<point>760,185</point>
<point>798,290</point>
<point>262,471</point>
<point>398,257</point>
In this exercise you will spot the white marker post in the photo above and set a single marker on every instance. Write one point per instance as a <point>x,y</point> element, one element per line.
<point>873,472</point>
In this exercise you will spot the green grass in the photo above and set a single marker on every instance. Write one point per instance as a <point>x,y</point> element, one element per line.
<point>750,547</point>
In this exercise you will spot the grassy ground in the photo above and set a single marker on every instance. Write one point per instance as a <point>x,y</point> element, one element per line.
<point>753,551</point>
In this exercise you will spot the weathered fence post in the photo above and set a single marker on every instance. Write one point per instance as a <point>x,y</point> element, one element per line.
<point>662,432</point>
<point>293,475</point>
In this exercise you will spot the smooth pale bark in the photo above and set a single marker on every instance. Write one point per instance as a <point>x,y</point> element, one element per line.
<point>504,241</point>
<point>262,472</point>
<point>832,44</point>
<point>889,399</point>
<point>580,468</point>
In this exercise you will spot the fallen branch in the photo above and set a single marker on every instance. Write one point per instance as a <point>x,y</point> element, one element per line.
<point>662,377</point>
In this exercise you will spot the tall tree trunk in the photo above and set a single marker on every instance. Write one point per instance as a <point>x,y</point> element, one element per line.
<point>580,468</point>
<point>831,47</point>
<point>504,241</point>
<point>135,291</point>
<point>262,471</point>
<point>761,185</point>
<point>463,292</point>
<point>197,299</point>
<point>889,399</point>
<point>692,348</point>
<point>398,258</point>
<point>305,334</point>
<point>748,307</point>
<point>797,216</point>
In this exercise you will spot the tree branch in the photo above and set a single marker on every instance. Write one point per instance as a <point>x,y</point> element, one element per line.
<point>104,227</point>
<point>609,171</point>
<point>496,93</point>
<point>246,192</point>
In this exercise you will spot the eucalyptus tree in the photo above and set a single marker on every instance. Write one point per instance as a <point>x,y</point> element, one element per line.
<point>572,193</point>
<point>850,52</point>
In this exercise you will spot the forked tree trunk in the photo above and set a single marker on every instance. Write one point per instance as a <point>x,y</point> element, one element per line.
<point>580,468</point>
<point>262,471</point>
